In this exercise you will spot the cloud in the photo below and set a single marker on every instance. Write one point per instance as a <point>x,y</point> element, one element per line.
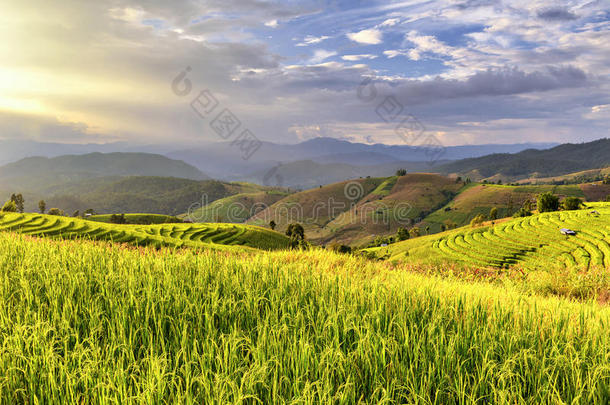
<point>355,58</point>
<point>272,24</point>
<point>390,22</point>
<point>312,40</point>
<point>366,37</point>
<point>321,55</point>
<point>556,14</point>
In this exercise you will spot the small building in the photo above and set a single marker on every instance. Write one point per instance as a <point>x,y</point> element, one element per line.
<point>565,231</point>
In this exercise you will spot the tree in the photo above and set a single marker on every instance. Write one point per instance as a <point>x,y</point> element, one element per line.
<point>607,180</point>
<point>76,214</point>
<point>477,220</point>
<point>493,214</point>
<point>548,202</point>
<point>9,206</point>
<point>427,230</point>
<point>42,206</point>
<point>401,172</point>
<point>56,211</point>
<point>90,211</point>
<point>272,225</point>
<point>608,198</point>
<point>296,233</point>
<point>572,203</point>
<point>19,201</point>
<point>118,219</point>
<point>414,232</point>
<point>402,234</point>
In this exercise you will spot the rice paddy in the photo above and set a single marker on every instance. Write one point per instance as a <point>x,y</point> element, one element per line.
<point>164,235</point>
<point>90,322</point>
<point>530,242</point>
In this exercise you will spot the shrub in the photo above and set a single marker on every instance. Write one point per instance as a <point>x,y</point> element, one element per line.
<point>56,211</point>
<point>118,219</point>
<point>523,212</point>
<point>493,214</point>
<point>402,234</point>
<point>548,202</point>
<point>572,203</point>
<point>478,220</point>
<point>10,206</point>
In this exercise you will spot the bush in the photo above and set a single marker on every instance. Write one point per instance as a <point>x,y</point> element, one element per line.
<point>341,248</point>
<point>523,212</point>
<point>402,234</point>
<point>493,214</point>
<point>57,212</point>
<point>548,202</point>
<point>9,206</point>
<point>118,219</point>
<point>572,203</point>
<point>478,220</point>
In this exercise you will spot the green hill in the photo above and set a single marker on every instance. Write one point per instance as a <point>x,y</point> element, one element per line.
<point>43,174</point>
<point>167,235</point>
<point>136,194</point>
<point>482,198</point>
<point>355,212</point>
<point>532,163</point>
<point>236,208</point>
<point>533,242</point>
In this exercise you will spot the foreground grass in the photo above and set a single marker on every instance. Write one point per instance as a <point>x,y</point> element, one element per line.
<point>85,322</point>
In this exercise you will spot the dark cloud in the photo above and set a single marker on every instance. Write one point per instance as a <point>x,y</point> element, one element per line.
<point>556,14</point>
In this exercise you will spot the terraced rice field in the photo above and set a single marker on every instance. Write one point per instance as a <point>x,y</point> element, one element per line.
<point>165,235</point>
<point>531,242</point>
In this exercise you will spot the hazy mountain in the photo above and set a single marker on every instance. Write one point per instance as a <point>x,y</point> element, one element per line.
<point>562,159</point>
<point>42,174</point>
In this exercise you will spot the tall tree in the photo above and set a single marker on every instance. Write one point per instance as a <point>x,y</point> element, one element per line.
<point>42,206</point>
<point>19,202</point>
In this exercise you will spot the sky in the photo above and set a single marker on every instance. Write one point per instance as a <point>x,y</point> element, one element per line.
<point>469,71</point>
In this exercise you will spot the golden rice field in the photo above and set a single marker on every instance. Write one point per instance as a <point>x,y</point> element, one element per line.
<point>165,235</point>
<point>93,322</point>
<point>532,242</point>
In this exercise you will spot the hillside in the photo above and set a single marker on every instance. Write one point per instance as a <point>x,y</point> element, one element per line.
<point>237,208</point>
<point>355,212</point>
<point>532,163</point>
<point>532,242</point>
<point>135,194</point>
<point>43,175</point>
<point>482,198</point>
<point>208,236</point>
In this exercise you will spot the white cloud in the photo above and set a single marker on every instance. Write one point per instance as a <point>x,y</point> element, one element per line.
<point>311,40</point>
<point>390,22</point>
<point>367,37</point>
<point>355,58</point>
<point>321,55</point>
<point>272,24</point>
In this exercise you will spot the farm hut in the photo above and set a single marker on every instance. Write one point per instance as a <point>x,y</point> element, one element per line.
<point>565,231</point>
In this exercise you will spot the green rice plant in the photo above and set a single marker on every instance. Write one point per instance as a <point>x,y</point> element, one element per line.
<point>91,322</point>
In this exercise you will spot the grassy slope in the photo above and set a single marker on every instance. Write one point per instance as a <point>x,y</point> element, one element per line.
<point>169,235</point>
<point>89,323</point>
<point>236,208</point>
<point>397,202</point>
<point>315,208</point>
<point>139,219</point>
<point>481,198</point>
<point>533,242</point>
<point>379,206</point>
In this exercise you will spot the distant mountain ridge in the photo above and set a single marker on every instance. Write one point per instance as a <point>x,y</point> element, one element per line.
<point>559,160</point>
<point>40,173</point>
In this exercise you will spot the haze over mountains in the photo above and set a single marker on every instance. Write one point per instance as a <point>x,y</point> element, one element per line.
<point>304,165</point>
